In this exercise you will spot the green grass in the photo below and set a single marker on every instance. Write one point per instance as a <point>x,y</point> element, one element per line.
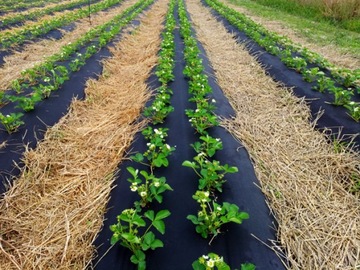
<point>291,7</point>
<point>307,24</point>
<point>341,15</point>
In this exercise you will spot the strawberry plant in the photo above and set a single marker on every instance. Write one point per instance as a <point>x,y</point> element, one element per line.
<point>158,150</point>
<point>310,75</point>
<point>43,90</point>
<point>323,83</point>
<point>202,119</point>
<point>133,231</point>
<point>210,172</point>
<point>353,110</point>
<point>296,63</point>
<point>212,215</point>
<point>213,261</point>
<point>148,186</point>
<point>12,121</point>
<point>27,103</point>
<point>209,145</point>
<point>77,63</point>
<point>159,109</point>
<point>17,86</point>
<point>341,96</point>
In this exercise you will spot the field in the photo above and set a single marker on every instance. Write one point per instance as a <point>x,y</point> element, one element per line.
<point>177,134</point>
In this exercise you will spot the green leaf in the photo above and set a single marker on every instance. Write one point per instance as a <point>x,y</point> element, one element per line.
<point>190,164</point>
<point>138,257</point>
<point>159,198</point>
<point>248,266</point>
<point>201,230</point>
<point>162,214</point>
<point>223,266</point>
<point>124,217</point>
<point>211,152</point>
<point>197,147</point>
<point>232,170</point>
<point>235,220</point>
<point>156,244</point>
<point>139,221</point>
<point>243,215</point>
<point>165,162</point>
<point>145,174</point>
<point>131,238</point>
<point>138,157</point>
<point>114,239</point>
<point>198,266</point>
<point>159,225</point>
<point>202,183</point>
<point>204,173</point>
<point>142,265</point>
<point>193,219</point>
<point>132,171</point>
<point>150,214</point>
<point>148,239</point>
<point>157,162</point>
<point>223,219</point>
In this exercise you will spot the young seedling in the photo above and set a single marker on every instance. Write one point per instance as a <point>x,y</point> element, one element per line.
<point>17,86</point>
<point>11,122</point>
<point>323,83</point>
<point>353,110</point>
<point>158,150</point>
<point>27,103</point>
<point>133,232</point>
<point>341,96</point>
<point>209,145</point>
<point>214,261</point>
<point>148,186</point>
<point>212,215</point>
<point>310,75</point>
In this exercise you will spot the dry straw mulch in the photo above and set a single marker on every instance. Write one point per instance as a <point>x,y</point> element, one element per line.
<point>53,212</point>
<point>36,52</point>
<point>331,52</point>
<point>304,179</point>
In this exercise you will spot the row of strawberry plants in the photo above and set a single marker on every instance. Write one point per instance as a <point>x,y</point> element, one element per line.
<point>212,214</point>
<point>342,83</point>
<point>50,75</point>
<point>161,107</point>
<point>134,226</point>
<point>19,37</point>
<point>19,18</point>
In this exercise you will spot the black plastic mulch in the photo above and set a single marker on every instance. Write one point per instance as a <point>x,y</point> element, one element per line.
<point>334,118</point>
<point>182,245</point>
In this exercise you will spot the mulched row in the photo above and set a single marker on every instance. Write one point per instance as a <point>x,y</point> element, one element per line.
<point>182,245</point>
